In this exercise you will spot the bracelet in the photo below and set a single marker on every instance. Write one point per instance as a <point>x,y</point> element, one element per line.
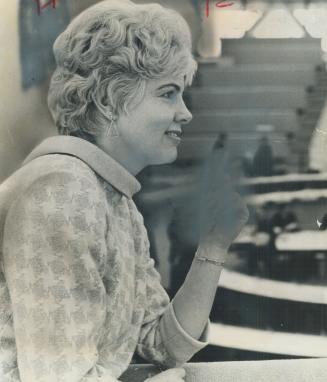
<point>214,262</point>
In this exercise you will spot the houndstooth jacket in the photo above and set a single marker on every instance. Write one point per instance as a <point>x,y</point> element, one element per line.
<point>79,293</point>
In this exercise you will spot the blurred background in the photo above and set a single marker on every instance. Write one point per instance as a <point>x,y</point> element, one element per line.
<point>259,100</point>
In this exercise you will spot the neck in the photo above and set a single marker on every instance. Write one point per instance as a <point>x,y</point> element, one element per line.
<point>115,148</point>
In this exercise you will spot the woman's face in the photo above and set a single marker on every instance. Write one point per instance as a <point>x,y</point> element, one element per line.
<point>152,129</point>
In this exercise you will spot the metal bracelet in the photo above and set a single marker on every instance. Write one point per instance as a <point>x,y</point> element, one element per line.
<point>211,261</point>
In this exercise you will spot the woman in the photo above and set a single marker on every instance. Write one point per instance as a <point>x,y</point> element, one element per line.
<point>79,292</point>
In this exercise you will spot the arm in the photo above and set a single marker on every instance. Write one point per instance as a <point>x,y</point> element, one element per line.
<point>193,301</point>
<point>53,250</point>
<point>223,215</point>
<point>182,325</point>
<point>162,339</point>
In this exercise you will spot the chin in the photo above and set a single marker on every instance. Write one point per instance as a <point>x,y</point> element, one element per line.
<point>165,158</point>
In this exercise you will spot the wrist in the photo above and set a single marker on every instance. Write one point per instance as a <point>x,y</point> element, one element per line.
<point>212,252</point>
<point>215,242</point>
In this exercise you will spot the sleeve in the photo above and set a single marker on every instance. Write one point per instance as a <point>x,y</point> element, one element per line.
<point>54,245</point>
<point>162,339</point>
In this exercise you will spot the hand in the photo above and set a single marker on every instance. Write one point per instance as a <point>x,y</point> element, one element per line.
<point>171,375</point>
<point>222,211</point>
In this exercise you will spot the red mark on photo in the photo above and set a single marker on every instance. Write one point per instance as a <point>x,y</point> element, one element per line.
<point>41,5</point>
<point>224,4</point>
<point>219,4</point>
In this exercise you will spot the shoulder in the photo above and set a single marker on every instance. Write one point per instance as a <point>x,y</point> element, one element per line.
<point>64,199</point>
<point>61,163</point>
<point>61,180</point>
<point>61,170</point>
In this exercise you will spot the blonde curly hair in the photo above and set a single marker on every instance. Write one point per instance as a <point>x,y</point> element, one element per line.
<point>106,55</point>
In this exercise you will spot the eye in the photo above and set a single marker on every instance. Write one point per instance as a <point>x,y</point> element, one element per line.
<point>169,94</point>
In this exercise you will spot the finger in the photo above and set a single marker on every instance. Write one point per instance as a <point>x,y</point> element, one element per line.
<point>222,192</point>
<point>233,214</point>
<point>245,213</point>
<point>216,180</point>
<point>223,198</point>
<point>238,215</point>
<point>230,210</point>
<point>179,372</point>
<point>229,202</point>
<point>213,168</point>
<point>218,159</point>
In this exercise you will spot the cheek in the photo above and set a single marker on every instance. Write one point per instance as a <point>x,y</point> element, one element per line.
<point>160,112</point>
<point>160,122</point>
<point>152,119</point>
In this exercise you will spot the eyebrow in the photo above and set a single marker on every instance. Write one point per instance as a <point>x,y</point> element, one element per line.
<point>177,87</point>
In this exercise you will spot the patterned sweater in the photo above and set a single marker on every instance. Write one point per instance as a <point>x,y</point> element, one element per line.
<point>79,293</point>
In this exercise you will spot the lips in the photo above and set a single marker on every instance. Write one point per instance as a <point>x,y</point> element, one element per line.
<point>176,134</point>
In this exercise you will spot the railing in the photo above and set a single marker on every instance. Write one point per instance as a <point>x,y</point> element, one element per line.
<point>301,370</point>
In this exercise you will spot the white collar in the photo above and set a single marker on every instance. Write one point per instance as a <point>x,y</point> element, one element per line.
<point>109,169</point>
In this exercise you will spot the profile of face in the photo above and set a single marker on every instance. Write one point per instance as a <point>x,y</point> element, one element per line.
<point>97,69</point>
<point>152,129</point>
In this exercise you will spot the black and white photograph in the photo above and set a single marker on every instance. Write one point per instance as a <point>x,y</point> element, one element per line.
<point>163,191</point>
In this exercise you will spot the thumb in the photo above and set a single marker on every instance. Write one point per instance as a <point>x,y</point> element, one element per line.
<point>178,372</point>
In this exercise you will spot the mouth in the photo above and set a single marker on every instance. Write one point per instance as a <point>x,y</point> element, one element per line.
<point>174,134</point>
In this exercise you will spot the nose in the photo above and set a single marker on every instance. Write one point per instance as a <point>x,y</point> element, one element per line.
<point>183,115</point>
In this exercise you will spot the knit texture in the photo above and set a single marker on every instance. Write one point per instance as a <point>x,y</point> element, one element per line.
<point>79,292</point>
